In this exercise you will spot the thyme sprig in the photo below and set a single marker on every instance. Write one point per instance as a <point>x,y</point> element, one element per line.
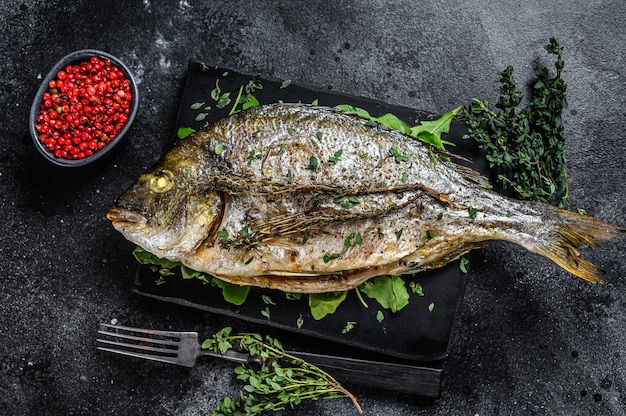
<point>525,145</point>
<point>273,386</point>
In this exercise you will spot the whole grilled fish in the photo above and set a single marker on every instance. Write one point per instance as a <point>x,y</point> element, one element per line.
<point>309,199</point>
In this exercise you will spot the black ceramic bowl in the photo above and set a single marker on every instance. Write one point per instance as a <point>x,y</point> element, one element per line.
<point>71,59</point>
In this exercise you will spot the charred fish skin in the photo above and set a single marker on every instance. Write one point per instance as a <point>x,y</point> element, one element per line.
<point>310,199</point>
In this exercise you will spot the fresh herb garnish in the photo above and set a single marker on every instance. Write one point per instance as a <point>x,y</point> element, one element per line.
<point>416,288</point>
<point>222,99</point>
<point>335,158</point>
<point>525,145</point>
<point>463,264</point>
<point>380,316</point>
<point>313,163</point>
<point>330,256</point>
<point>347,201</point>
<point>471,211</point>
<point>389,291</point>
<point>253,155</point>
<point>273,386</point>
<point>398,155</point>
<point>348,327</point>
<point>222,234</point>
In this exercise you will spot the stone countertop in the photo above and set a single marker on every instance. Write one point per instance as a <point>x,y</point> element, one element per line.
<point>528,338</point>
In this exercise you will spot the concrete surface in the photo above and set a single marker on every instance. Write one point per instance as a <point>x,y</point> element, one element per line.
<point>529,338</point>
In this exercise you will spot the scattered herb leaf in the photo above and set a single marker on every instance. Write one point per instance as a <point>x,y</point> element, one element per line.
<point>416,288</point>
<point>183,132</point>
<point>380,316</point>
<point>348,327</point>
<point>463,264</point>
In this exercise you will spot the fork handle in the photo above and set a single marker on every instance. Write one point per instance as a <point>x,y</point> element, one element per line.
<point>424,381</point>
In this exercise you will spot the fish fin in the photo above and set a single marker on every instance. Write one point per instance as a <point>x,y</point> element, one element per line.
<point>575,230</point>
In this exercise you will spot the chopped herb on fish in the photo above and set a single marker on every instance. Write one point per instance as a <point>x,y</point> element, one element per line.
<point>219,148</point>
<point>253,155</point>
<point>330,256</point>
<point>472,211</point>
<point>439,216</point>
<point>281,150</point>
<point>335,158</point>
<point>398,155</point>
<point>290,130</point>
<point>313,163</point>
<point>429,234</point>
<point>249,260</point>
<point>222,234</point>
<point>398,234</point>
<point>243,231</point>
<point>319,135</point>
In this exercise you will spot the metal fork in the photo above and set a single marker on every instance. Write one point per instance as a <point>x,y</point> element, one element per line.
<point>183,348</point>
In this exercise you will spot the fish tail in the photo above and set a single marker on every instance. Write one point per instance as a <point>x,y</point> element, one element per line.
<point>570,231</point>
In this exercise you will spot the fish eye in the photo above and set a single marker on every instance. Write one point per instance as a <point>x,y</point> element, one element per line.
<point>161,181</point>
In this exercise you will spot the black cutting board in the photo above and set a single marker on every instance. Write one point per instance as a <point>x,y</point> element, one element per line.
<point>414,333</point>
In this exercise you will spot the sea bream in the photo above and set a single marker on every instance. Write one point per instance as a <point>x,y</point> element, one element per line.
<point>310,199</point>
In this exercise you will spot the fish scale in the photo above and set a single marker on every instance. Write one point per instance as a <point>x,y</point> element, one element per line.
<point>272,208</point>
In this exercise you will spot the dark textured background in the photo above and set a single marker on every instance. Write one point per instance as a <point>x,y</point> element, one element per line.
<point>529,338</point>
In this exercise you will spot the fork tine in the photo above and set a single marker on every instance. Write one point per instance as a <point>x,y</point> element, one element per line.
<point>141,339</point>
<point>169,360</point>
<point>171,351</point>
<point>171,334</point>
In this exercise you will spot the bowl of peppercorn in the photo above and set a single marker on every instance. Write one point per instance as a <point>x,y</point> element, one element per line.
<point>83,108</point>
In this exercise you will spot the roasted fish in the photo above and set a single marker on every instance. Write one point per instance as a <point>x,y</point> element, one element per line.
<point>310,199</point>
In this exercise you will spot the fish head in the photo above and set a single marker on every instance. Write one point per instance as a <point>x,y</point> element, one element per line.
<point>168,211</point>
